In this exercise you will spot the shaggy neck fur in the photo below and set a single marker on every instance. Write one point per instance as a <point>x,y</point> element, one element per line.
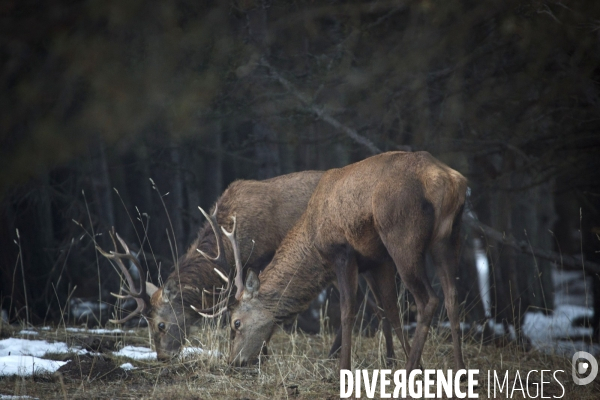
<point>294,278</point>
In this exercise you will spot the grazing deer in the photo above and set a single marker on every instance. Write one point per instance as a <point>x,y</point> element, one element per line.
<point>376,216</point>
<point>266,210</point>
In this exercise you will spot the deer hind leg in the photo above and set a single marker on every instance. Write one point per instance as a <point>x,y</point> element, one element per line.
<point>347,277</point>
<point>408,253</point>
<point>445,258</point>
<point>415,279</point>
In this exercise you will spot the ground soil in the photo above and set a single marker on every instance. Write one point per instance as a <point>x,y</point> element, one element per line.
<point>297,368</point>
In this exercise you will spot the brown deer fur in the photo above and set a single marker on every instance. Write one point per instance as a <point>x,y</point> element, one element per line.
<point>379,215</point>
<point>265,211</point>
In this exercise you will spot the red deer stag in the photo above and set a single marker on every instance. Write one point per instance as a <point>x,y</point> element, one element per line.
<point>266,210</point>
<point>383,212</point>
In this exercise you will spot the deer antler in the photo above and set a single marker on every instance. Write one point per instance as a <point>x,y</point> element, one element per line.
<point>239,283</point>
<point>141,297</point>
<point>220,259</point>
<point>221,306</point>
<point>208,315</point>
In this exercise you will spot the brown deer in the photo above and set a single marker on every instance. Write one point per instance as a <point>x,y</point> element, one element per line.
<point>266,210</point>
<point>379,216</point>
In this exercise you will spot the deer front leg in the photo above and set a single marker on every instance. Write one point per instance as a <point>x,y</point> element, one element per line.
<point>347,277</point>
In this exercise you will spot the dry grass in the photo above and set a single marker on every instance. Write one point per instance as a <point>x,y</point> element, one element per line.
<point>296,368</point>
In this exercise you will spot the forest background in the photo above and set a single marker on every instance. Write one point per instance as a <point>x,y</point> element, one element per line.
<point>97,97</point>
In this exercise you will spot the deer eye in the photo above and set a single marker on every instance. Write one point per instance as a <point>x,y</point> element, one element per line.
<point>161,326</point>
<point>237,324</point>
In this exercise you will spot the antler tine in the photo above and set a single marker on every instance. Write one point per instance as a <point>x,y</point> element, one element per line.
<point>142,291</point>
<point>220,259</point>
<point>117,257</point>
<point>239,283</point>
<point>221,275</point>
<point>113,255</point>
<point>213,315</point>
<point>120,296</point>
<point>140,294</point>
<point>140,309</point>
<point>211,310</point>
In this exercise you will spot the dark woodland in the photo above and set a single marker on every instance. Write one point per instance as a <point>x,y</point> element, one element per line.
<point>131,114</point>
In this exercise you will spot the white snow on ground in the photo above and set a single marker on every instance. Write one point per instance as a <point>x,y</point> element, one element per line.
<point>136,353</point>
<point>99,331</point>
<point>127,366</point>
<point>550,333</point>
<point>195,351</point>
<point>542,328</point>
<point>37,348</point>
<point>27,332</point>
<point>27,365</point>
<point>22,356</point>
<point>15,352</point>
<point>84,330</point>
<point>11,397</point>
<point>144,353</point>
<point>544,331</point>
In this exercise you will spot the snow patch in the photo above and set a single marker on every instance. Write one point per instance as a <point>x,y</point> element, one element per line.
<point>27,365</point>
<point>196,351</point>
<point>136,353</point>
<point>27,332</point>
<point>36,348</point>
<point>128,366</point>
<point>100,331</point>
<point>544,330</point>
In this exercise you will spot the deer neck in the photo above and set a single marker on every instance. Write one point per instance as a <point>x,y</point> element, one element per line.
<point>295,276</point>
<point>194,273</point>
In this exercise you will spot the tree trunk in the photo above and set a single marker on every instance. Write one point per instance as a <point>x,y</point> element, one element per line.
<point>266,151</point>
<point>177,200</point>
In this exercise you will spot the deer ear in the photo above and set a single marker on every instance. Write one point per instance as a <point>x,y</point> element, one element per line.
<point>150,288</point>
<point>252,284</point>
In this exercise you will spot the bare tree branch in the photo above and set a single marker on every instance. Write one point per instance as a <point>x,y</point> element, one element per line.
<point>319,111</point>
<point>524,247</point>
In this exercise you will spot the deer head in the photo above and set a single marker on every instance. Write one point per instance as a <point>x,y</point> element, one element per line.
<point>251,324</point>
<point>164,308</point>
<point>152,302</point>
<point>166,321</point>
<point>255,325</point>
<point>168,312</point>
